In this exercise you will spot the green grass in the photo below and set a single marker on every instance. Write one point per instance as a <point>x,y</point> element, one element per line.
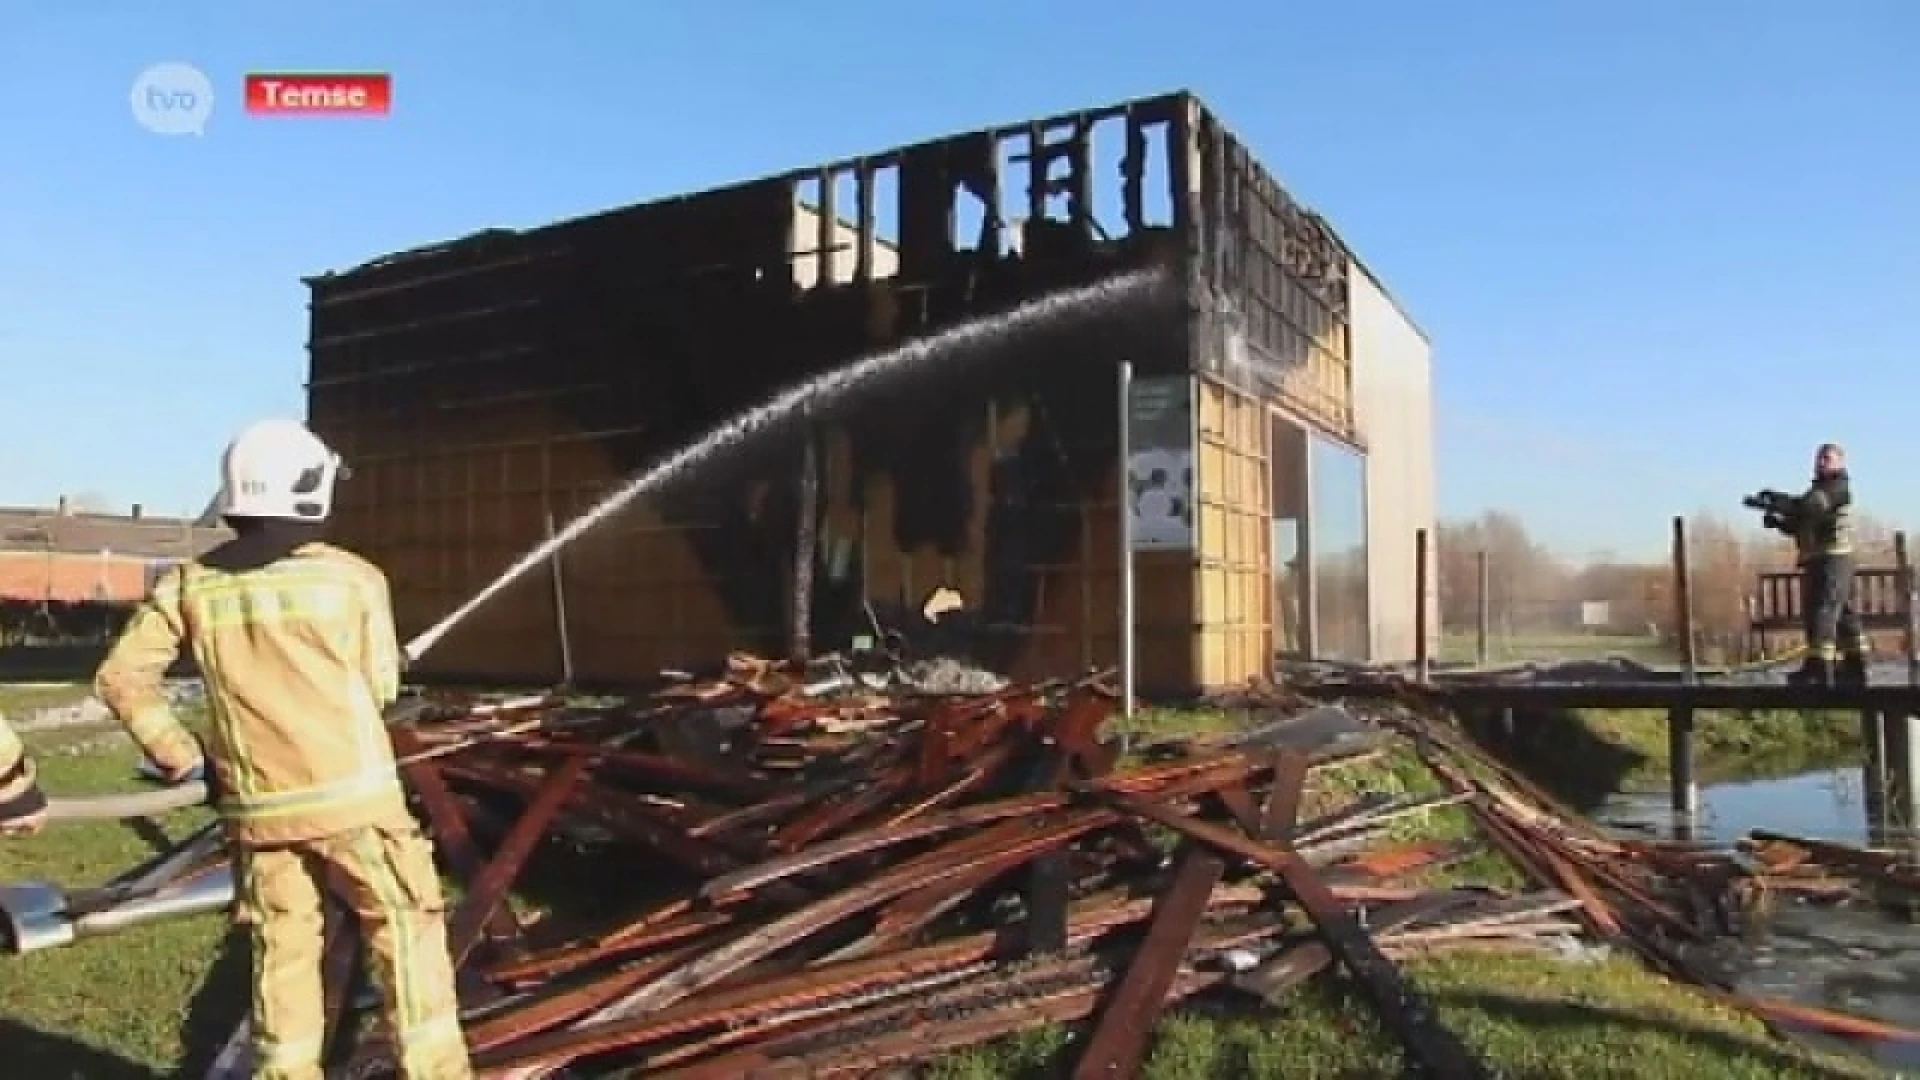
<point>141,1004</point>
<point>1531,1019</point>
<point>157,1001</point>
<point>1462,647</point>
<point>21,699</point>
<point>1586,756</point>
<point>1150,725</point>
<point>1746,745</point>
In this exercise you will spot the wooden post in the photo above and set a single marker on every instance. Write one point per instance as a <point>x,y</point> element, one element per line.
<point>1877,776</point>
<point>806,541</point>
<point>561,624</point>
<point>1909,610</point>
<point>1683,601</point>
<point>1685,791</point>
<point>1422,658</point>
<point>1129,585</point>
<point>1485,588</point>
<point>1899,734</point>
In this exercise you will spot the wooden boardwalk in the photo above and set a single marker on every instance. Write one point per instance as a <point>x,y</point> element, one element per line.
<point>1656,692</point>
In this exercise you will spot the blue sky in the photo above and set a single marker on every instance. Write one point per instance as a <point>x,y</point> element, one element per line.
<point>1663,249</point>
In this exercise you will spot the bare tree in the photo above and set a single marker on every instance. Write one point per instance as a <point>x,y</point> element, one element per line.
<point>1526,584</point>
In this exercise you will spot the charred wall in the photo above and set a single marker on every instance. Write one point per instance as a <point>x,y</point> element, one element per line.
<point>486,387</point>
<point>1270,342</point>
<point>1270,287</point>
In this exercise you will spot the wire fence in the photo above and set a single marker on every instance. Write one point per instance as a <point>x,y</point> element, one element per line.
<point>1502,600</point>
<point>59,622</point>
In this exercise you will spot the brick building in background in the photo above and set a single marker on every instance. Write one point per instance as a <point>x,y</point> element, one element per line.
<point>70,556</point>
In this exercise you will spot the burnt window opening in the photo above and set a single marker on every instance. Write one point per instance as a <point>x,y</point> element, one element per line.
<point>1010,152</point>
<point>1054,173</point>
<point>1107,164</point>
<point>844,193</point>
<point>974,227</point>
<point>885,185</point>
<point>846,225</point>
<point>1150,150</point>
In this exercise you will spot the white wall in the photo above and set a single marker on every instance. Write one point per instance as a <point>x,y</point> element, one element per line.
<point>1393,405</point>
<point>846,256</point>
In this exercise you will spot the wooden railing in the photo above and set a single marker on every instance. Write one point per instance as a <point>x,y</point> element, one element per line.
<point>1878,597</point>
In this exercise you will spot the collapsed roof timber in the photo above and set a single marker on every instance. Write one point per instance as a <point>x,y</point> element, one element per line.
<point>1024,191</point>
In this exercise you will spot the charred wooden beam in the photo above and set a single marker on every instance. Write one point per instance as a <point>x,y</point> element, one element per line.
<point>1038,170</point>
<point>826,230</point>
<point>1280,815</point>
<point>1126,1018</point>
<point>1133,176</point>
<point>864,220</point>
<point>1047,885</point>
<point>448,824</point>
<point>1080,180</point>
<point>488,889</point>
<point>1401,1008</point>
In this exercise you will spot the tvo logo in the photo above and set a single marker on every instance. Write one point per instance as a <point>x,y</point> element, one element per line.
<point>173,99</point>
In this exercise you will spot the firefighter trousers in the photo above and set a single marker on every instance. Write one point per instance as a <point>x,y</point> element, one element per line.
<point>1826,606</point>
<point>384,876</point>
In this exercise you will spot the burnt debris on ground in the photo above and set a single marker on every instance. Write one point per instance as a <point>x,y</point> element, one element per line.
<point>798,871</point>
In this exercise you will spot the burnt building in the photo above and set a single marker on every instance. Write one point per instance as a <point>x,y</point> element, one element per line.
<point>1279,421</point>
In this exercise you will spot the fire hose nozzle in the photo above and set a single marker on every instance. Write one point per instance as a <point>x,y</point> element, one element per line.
<point>34,916</point>
<point>37,916</point>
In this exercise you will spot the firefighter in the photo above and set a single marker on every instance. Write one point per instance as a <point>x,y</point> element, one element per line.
<point>23,809</point>
<point>295,640</point>
<point>1821,523</point>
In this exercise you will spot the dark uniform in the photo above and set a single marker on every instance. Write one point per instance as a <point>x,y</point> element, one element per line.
<point>1822,525</point>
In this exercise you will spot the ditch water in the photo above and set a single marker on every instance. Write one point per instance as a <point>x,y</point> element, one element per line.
<point>1853,959</point>
<point>1826,804</point>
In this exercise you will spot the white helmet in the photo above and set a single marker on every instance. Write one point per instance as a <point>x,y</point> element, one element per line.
<point>278,469</point>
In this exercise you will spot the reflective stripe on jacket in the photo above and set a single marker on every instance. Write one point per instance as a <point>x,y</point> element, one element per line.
<point>300,658</point>
<point>10,749</point>
<point>19,785</point>
<point>1823,521</point>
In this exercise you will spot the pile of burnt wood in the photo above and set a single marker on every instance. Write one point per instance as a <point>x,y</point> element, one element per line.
<point>762,876</point>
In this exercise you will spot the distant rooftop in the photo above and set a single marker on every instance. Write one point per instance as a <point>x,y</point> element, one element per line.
<point>135,533</point>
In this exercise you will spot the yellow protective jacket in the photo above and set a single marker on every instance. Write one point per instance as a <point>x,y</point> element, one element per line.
<point>300,659</point>
<point>20,794</point>
<point>11,751</point>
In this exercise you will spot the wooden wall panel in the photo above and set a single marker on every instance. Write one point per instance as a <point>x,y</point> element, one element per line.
<point>638,599</point>
<point>1234,590</point>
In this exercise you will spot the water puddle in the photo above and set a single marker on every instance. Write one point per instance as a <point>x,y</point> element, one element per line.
<point>1851,960</point>
<point>1824,804</point>
<point>1856,959</point>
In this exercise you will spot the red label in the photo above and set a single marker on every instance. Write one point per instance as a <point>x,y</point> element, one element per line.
<point>309,94</point>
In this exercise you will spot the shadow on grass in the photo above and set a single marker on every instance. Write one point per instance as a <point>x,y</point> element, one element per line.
<point>1557,750</point>
<point>30,1052</point>
<point>217,1007</point>
<point>1576,1023</point>
<point>150,834</point>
